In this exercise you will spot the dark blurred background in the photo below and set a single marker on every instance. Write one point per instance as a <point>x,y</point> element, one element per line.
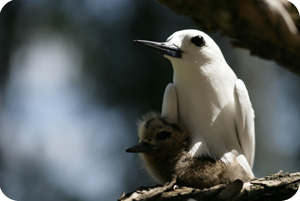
<point>73,84</point>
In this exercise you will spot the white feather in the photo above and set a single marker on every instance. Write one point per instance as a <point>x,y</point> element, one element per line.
<point>169,106</point>
<point>245,121</point>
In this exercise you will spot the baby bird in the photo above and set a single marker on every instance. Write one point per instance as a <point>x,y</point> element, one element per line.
<point>164,146</point>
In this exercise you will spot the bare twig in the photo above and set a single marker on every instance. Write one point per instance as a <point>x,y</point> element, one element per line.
<point>274,187</point>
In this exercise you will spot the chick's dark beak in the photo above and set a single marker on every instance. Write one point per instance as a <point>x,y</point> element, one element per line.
<point>166,48</point>
<point>141,147</point>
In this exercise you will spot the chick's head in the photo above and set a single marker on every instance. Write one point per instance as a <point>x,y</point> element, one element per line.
<point>159,134</point>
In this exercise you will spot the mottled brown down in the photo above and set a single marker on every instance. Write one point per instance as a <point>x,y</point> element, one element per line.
<point>167,157</point>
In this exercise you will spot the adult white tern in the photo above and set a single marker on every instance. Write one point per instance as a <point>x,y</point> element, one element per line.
<point>208,98</point>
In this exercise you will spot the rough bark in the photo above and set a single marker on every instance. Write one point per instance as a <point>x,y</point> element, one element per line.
<point>271,188</point>
<point>268,28</point>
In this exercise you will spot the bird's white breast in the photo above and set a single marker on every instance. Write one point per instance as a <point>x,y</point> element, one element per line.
<point>206,106</point>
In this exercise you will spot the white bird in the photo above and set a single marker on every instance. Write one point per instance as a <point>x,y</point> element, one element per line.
<point>207,98</point>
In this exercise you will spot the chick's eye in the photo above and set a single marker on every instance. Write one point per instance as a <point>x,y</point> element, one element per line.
<point>198,41</point>
<point>163,135</point>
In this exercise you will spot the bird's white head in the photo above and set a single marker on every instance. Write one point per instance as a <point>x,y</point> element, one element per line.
<point>189,48</point>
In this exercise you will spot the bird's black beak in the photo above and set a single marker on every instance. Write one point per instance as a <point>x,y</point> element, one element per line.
<point>141,148</point>
<point>166,48</point>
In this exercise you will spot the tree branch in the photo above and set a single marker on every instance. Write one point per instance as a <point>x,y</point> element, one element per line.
<point>274,187</point>
<point>267,28</point>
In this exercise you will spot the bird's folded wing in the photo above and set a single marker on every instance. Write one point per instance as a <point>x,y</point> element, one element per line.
<point>245,121</point>
<point>169,106</point>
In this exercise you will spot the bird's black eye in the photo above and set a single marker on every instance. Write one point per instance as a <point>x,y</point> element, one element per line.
<point>198,41</point>
<point>163,135</point>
